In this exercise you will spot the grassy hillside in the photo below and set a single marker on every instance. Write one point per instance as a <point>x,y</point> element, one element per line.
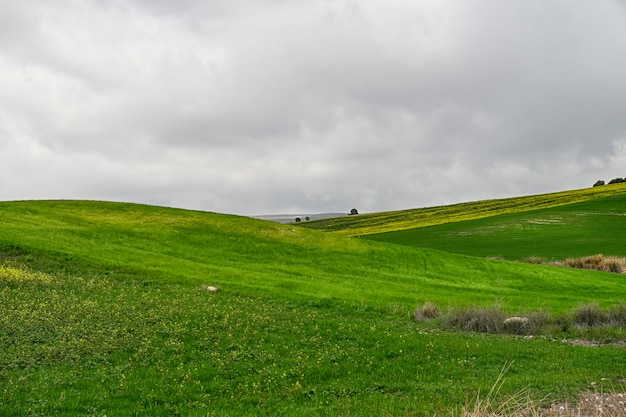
<point>574,230</point>
<point>376,223</point>
<point>103,312</point>
<point>243,255</point>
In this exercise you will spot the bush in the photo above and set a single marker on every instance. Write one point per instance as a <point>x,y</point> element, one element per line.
<point>586,318</point>
<point>615,264</point>
<point>530,323</point>
<point>537,260</point>
<point>617,315</point>
<point>585,262</point>
<point>427,311</point>
<point>539,320</point>
<point>598,262</point>
<point>589,315</point>
<point>484,320</point>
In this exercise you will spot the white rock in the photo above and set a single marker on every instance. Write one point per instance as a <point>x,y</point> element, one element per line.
<point>516,320</point>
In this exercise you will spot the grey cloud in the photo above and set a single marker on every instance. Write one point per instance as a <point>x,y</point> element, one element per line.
<point>323,105</point>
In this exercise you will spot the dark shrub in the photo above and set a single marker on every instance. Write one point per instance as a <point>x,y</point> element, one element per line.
<point>617,315</point>
<point>535,322</point>
<point>589,315</point>
<point>484,320</point>
<point>539,321</point>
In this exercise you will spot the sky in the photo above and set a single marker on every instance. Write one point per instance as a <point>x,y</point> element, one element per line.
<point>308,106</point>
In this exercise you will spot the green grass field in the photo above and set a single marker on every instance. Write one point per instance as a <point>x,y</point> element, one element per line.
<point>102,312</point>
<point>574,230</point>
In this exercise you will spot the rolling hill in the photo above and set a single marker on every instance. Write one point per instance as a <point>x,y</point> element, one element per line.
<point>258,257</point>
<point>377,223</point>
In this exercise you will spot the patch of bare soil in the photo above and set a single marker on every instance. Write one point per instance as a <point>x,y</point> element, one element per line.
<point>592,405</point>
<point>591,343</point>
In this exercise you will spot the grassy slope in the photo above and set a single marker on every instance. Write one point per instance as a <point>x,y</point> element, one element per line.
<point>109,319</point>
<point>256,257</point>
<point>376,223</point>
<point>581,229</point>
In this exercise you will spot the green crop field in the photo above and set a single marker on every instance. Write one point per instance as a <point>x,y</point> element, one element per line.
<point>573,230</point>
<point>377,223</point>
<point>104,311</point>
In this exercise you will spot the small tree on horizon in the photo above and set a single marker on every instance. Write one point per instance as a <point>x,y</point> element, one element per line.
<point>354,212</point>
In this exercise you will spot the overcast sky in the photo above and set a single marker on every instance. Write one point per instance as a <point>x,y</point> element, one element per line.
<point>305,106</point>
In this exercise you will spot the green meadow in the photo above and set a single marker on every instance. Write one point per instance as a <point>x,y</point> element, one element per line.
<point>573,230</point>
<point>104,311</point>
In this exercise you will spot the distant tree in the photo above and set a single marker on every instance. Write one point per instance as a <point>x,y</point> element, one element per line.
<point>598,183</point>
<point>354,212</point>
<point>617,181</point>
<point>307,218</point>
<point>298,219</point>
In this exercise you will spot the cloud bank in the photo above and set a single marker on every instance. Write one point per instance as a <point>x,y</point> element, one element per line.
<point>309,106</point>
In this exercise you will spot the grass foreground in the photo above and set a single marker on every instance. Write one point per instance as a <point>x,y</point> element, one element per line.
<point>118,346</point>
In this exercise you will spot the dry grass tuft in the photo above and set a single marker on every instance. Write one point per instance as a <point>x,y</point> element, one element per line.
<point>610,322</point>
<point>482,320</point>
<point>615,264</point>
<point>537,260</point>
<point>617,315</point>
<point>598,262</point>
<point>523,405</point>
<point>427,311</point>
<point>589,315</point>
<point>518,405</point>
